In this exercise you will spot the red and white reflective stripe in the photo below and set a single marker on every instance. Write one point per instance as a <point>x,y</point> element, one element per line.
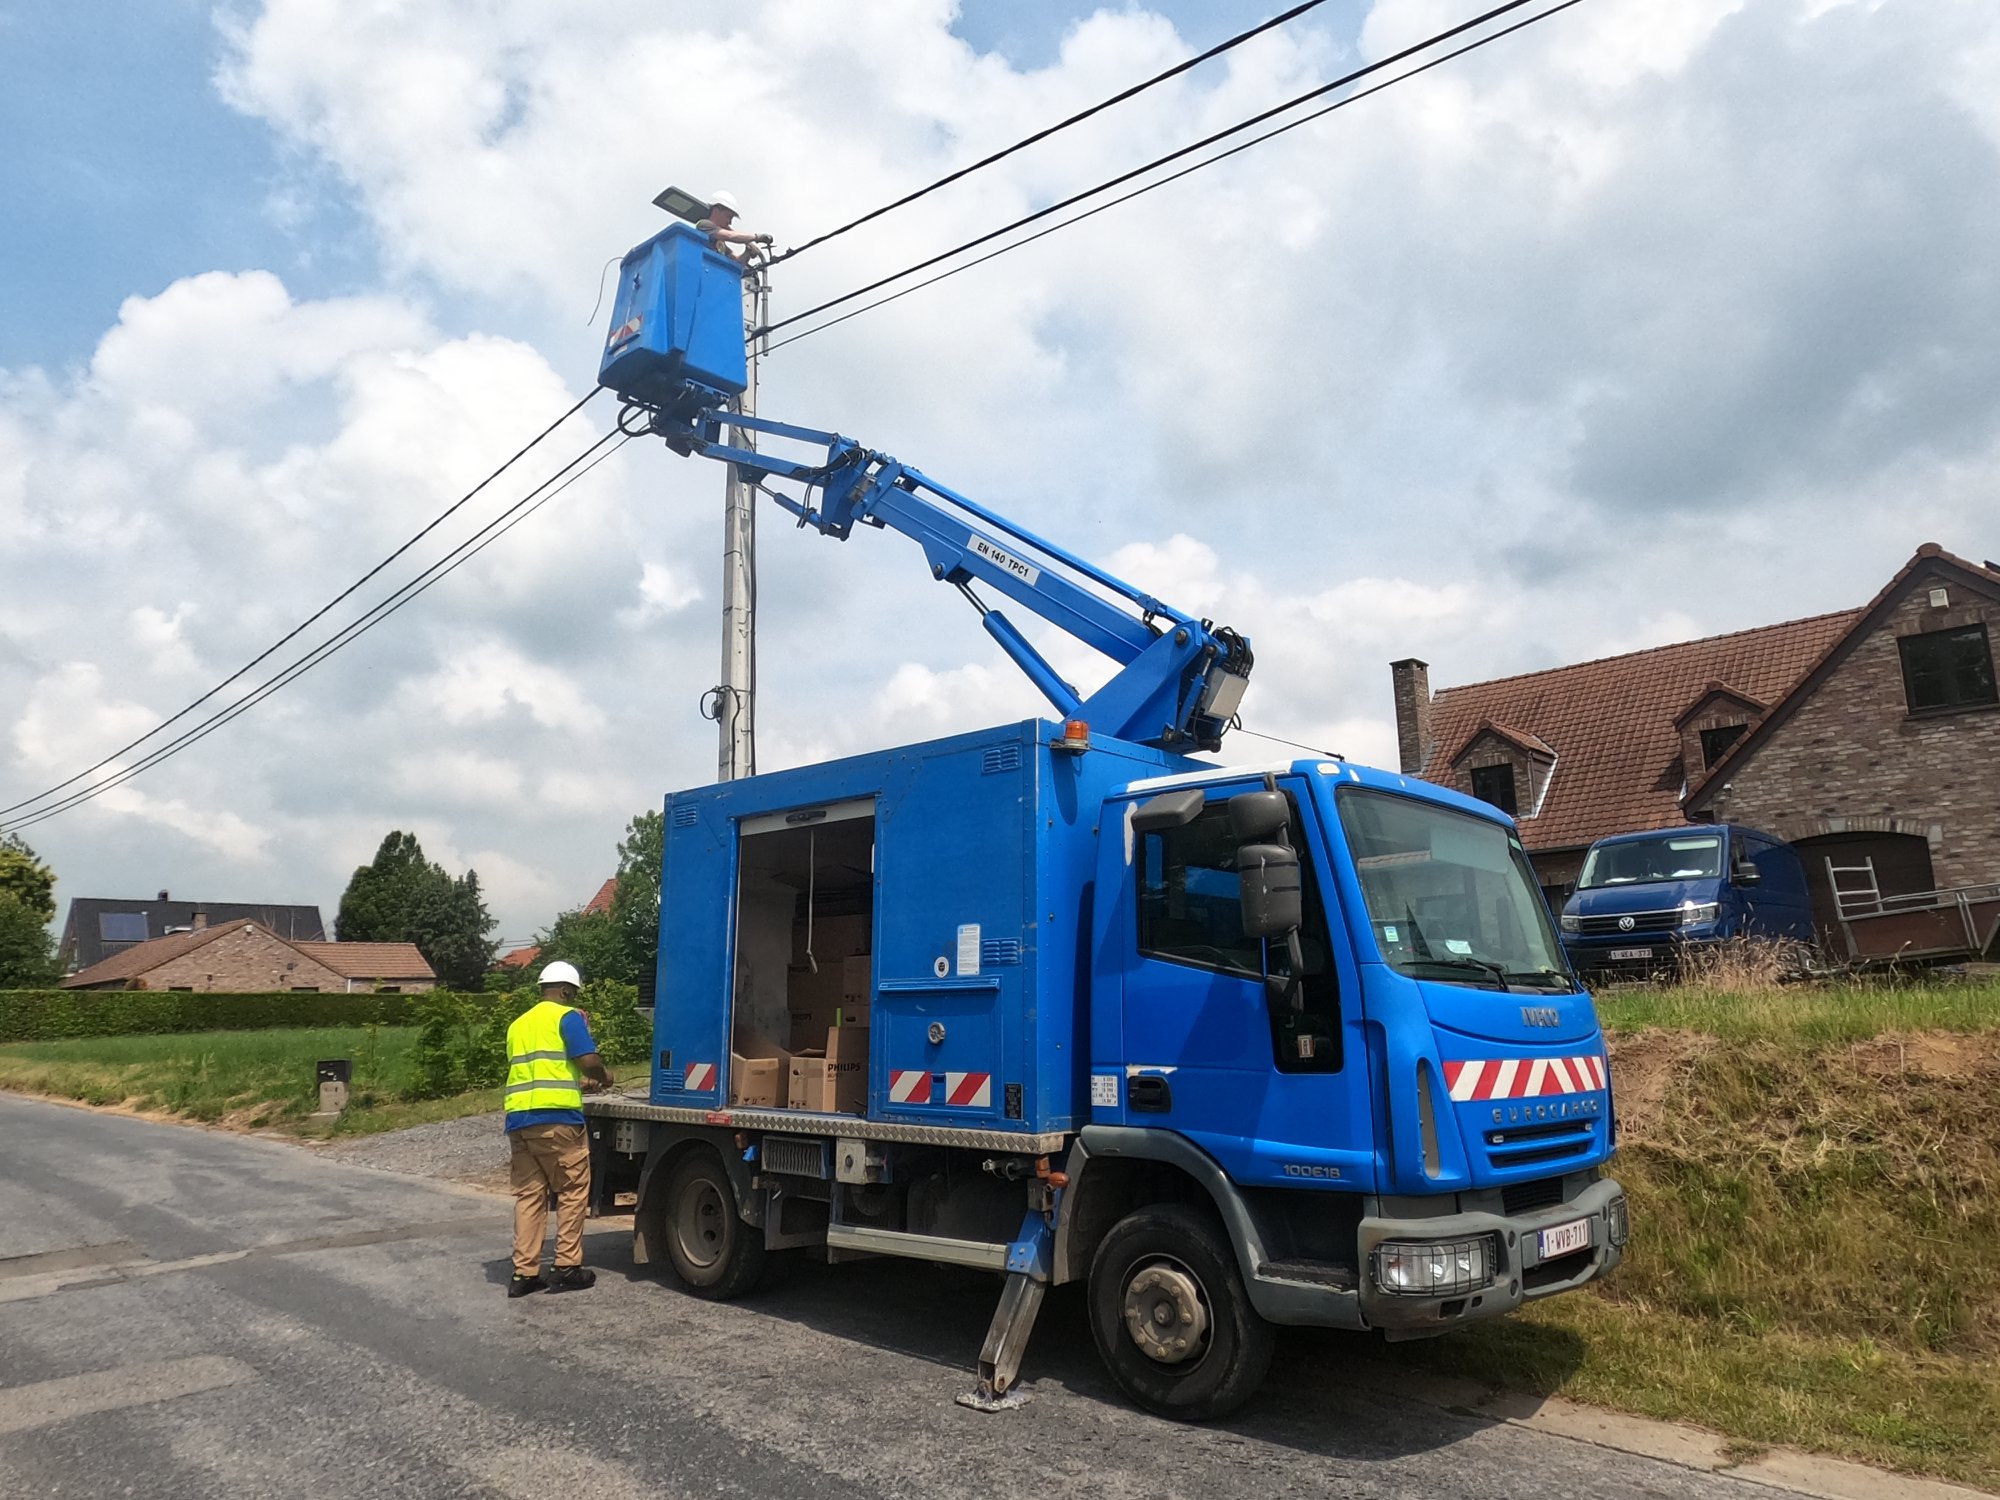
<point>909,1088</point>
<point>700,1078</point>
<point>1523,1077</point>
<point>969,1090</point>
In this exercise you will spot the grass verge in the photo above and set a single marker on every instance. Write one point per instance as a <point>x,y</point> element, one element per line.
<point>246,1078</point>
<point>1815,1256</point>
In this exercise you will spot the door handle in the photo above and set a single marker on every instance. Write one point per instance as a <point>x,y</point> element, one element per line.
<point>1149,1093</point>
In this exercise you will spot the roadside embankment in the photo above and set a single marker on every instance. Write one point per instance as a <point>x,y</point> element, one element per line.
<point>1815,1257</point>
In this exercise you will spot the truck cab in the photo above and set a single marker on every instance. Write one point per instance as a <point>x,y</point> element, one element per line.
<point>1643,898</point>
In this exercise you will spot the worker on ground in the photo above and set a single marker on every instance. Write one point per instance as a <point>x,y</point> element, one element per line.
<point>720,227</point>
<point>551,1061</point>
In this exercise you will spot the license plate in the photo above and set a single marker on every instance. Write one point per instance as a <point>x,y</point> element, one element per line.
<point>1631,952</point>
<point>1564,1238</point>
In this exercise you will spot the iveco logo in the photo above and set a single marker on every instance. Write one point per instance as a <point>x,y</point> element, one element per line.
<point>1626,924</point>
<point>1540,1015</point>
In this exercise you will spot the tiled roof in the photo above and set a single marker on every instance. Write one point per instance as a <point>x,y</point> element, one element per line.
<point>83,942</point>
<point>520,958</point>
<point>602,900</point>
<point>370,960</point>
<point>138,959</point>
<point>1610,723</point>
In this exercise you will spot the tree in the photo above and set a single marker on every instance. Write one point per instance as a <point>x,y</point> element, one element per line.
<point>24,877</point>
<point>593,941</point>
<point>635,904</point>
<point>401,897</point>
<point>27,957</point>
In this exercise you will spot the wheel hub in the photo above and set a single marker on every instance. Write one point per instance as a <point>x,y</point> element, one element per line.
<point>1166,1314</point>
<point>699,1225</point>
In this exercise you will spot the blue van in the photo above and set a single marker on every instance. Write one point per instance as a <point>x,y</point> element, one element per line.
<point>1644,896</point>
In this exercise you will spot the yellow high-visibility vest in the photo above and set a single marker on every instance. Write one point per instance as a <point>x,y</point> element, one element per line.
<point>540,1074</point>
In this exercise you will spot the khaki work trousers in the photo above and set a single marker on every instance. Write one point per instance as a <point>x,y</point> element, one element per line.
<point>548,1159</point>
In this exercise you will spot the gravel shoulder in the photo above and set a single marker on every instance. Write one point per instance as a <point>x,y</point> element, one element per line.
<point>471,1150</point>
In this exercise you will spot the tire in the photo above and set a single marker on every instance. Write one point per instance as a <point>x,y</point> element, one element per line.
<point>1166,1258</point>
<point>714,1253</point>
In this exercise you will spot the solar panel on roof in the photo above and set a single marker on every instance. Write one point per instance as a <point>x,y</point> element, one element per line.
<point>122,926</point>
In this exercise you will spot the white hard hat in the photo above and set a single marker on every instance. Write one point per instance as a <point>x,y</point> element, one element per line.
<point>562,973</point>
<point>723,198</point>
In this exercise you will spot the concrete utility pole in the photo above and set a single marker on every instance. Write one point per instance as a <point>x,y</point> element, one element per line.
<point>736,700</point>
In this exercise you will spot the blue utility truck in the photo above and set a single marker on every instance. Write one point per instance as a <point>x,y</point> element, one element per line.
<point>1236,1046</point>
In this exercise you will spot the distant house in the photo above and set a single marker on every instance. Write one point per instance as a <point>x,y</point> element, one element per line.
<point>517,959</point>
<point>1868,738</point>
<point>98,927</point>
<point>248,957</point>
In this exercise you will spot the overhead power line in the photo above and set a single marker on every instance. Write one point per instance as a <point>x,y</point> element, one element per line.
<point>318,614</point>
<point>1041,135</point>
<point>1153,165</point>
<point>463,553</point>
<point>1209,161</point>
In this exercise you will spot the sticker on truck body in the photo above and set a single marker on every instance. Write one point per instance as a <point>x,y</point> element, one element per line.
<point>700,1078</point>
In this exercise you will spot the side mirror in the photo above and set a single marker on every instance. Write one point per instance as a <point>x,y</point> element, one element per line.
<point>1269,884</point>
<point>1745,874</point>
<point>1259,817</point>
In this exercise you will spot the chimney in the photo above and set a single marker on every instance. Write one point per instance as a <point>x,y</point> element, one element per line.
<point>1413,712</point>
<point>164,896</point>
<point>200,920</point>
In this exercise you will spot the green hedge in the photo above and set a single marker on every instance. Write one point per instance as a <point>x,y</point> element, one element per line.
<point>52,1015</point>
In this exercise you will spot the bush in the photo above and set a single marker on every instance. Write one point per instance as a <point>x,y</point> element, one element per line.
<point>54,1015</point>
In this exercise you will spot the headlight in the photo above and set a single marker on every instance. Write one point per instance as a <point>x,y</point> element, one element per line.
<point>1617,1223</point>
<point>1570,922</point>
<point>1444,1269</point>
<point>1694,914</point>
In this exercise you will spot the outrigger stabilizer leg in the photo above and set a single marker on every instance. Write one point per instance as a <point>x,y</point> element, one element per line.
<point>1006,1342</point>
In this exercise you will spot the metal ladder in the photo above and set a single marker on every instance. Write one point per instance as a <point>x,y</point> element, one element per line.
<point>1860,897</point>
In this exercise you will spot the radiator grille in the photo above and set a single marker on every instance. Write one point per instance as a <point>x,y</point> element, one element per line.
<point>1525,1197</point>
<point>795,1158</point>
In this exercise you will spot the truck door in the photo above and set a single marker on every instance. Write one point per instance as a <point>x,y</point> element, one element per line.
<point>1269,1078</point>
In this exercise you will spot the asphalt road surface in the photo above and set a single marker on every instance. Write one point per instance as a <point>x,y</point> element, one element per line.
<point>191,1313</point>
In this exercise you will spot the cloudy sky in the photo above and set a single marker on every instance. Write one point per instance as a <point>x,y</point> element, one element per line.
<point>1652,321</point>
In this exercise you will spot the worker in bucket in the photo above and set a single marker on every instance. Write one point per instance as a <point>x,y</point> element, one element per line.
<point>551,1061</point>
<point>720,227</point>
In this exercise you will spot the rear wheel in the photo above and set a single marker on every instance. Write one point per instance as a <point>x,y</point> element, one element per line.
<point>1170,1316</point>
<point>714,1253</point>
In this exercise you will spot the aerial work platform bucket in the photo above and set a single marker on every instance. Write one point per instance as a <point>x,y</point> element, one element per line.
<point>676,324</point>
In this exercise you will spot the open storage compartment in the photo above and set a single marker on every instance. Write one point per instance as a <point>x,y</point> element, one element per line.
<point>803,985</point>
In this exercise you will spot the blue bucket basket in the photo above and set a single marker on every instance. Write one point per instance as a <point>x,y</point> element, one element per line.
<point>677,324</point>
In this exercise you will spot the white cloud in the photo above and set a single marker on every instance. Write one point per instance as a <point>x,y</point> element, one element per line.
<point>1648,320</point>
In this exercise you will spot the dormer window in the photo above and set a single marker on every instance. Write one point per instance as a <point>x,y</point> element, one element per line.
<point>1715,742</point>
<point>1495,784</point>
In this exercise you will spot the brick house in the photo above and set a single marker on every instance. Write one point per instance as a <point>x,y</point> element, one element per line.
<point>98,926</point>
<point>1868,736</point>
<point>249,957</point>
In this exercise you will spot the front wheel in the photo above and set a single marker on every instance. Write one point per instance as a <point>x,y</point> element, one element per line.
<point>1171,1319</point>
<point>714,1253</point>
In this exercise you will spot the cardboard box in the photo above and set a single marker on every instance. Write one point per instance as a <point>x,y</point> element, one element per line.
<point>757,1081</point>
<point>847,1069</point>
<point>806,1085</point>
<point>833,938</point>
<point>838,995</point>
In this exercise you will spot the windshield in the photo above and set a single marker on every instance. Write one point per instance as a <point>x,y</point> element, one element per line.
<point>1450,896</point>
<point>1643,861</point>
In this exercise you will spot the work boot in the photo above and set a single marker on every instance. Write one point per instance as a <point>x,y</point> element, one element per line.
<point>574,1278</point>
<point>520,1286</point>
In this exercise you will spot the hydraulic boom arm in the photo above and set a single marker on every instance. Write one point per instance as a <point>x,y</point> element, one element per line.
<point>1179,678</point>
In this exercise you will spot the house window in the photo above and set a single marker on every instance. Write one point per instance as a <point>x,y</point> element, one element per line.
<point>1494,784</point>
<point>305,989</point>
<point>1715,743</point>
<point>1948,669</point>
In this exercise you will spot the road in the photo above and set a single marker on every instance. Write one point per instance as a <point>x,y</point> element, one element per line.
<point>286,1325</point>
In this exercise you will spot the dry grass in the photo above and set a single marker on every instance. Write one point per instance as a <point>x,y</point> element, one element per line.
<point>1744,965</point>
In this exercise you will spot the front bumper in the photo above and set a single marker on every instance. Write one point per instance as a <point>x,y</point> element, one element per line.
<point>1519,1272</point>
